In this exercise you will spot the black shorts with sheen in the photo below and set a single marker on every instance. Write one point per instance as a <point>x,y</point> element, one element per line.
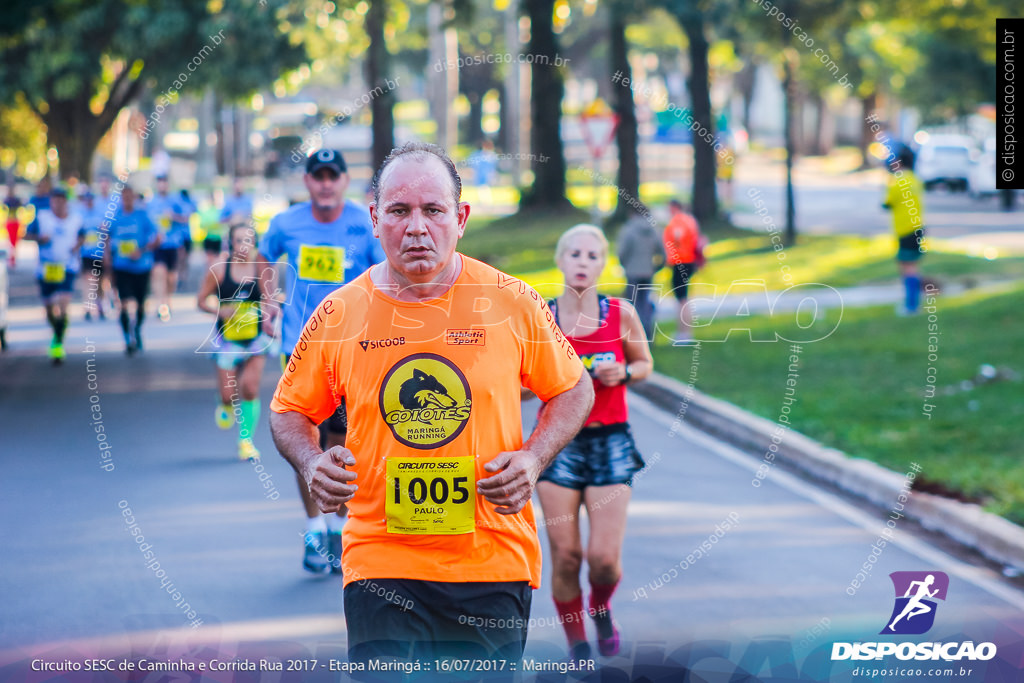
<point>427,620</point>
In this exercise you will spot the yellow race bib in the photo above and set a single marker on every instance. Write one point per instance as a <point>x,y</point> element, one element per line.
<point>126,248</point>
<point>92,239</point>
<point>54,272</point>
<point>431,495</point>
<point>322,264</point>
<point>244,323</point>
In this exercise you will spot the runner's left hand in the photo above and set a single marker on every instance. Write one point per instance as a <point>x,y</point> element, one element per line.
<point>511,488</point>
<point>610,374</point>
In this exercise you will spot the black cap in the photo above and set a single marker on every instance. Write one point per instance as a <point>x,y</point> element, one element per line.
<point>59,191</point>
<point>326,158</point>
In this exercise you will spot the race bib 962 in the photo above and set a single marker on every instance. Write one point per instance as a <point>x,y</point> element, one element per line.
<point>321,264</point>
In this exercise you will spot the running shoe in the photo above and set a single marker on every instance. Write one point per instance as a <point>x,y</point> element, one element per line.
<point>315,559</point>
<point>247,451</point>
<point>334,551</point>
<point>223,417</point>
<point>57,353</point>
<point>607,633</point>
<point>88,317</point>
<point>164,313</point>
<point>579,651</point>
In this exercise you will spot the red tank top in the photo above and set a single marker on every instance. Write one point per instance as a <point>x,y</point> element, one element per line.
<point>602,345</point>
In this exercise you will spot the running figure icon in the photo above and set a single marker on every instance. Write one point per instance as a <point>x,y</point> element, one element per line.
<point>914,606</point>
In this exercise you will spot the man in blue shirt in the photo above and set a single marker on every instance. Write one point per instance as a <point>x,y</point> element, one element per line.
<point>133,239</point>
<point>170,214</point>
<point>328,242</point>
<point>40,201</point>
<point>189,208</point>
<point>237,207</point>
<point>94,239</point>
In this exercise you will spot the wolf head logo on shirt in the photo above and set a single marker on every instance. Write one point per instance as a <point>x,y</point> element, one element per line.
<point>424,391</point>
<point>425,400</point>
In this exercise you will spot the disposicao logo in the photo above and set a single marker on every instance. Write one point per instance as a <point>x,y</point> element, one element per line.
<point>916,592</point>
<point>913,613</point>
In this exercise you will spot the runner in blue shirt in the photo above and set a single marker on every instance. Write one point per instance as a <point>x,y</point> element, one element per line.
<point>328,242</point>
<point>94,239</point>
<point>40,201</point>
<point>237,207</point>
<point>133,239</point>
<point>59,235</point>
<point>189,208</point>
<point>170,215</point>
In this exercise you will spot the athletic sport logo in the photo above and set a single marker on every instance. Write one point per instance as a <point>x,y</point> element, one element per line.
<point>425,400</point>
<point>916,593</point>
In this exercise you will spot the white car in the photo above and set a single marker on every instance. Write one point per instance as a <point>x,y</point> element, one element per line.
<point>982,179</point>
<point>945,160</point>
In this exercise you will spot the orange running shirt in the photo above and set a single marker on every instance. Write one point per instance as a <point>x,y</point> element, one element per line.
<point>432,391</point>
<point>680,239</point>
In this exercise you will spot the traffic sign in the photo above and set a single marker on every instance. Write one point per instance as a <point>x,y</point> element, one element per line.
<point>599,125</point>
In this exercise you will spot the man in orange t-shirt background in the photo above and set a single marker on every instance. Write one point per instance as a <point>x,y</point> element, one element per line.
<point>429,350</point>
<point>682,254</point>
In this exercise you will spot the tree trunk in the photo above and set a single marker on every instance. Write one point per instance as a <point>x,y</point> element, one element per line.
<point>74,131</point>
<point>704,200</point>
<point>475,120</point>
<point>868,104</point>
<point>744,81</point>
<point>506,119</point>
<point>218,128</point>
<point>206,156</point>
<point>800,144</point>
<point>546,92</point>
<point>625,107</point>
<point>789,87</point>
<point>823,126</point>
<point>378,72</point>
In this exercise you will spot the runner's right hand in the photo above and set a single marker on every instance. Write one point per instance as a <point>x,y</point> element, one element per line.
<point>328,480</point>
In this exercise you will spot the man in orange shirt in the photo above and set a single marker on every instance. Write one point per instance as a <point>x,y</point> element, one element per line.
<point>429,350</point>
<point>681,239</point>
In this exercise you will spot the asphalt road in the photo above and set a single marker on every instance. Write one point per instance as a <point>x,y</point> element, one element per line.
<point>74,583</point>
<point>834,207</point>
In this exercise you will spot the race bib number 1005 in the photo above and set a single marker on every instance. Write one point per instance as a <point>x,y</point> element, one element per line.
<point>431,495</point>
